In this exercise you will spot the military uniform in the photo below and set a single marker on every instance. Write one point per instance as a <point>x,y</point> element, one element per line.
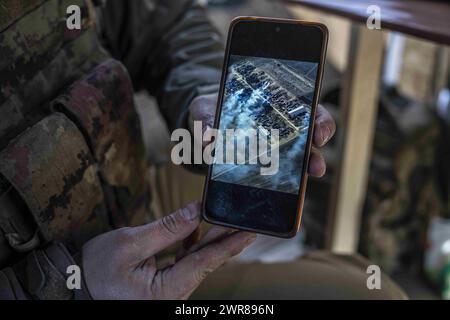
<point>71,153</point>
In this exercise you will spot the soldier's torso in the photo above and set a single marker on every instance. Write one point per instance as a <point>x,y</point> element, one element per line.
<point>71,155</point>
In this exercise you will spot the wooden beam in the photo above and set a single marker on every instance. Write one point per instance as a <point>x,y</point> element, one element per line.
<point>360,105</point>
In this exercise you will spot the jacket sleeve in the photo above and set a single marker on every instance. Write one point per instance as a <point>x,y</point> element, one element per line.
<point>168,46</point>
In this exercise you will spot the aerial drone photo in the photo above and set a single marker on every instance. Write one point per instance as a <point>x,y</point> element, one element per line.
<point>265,94</point>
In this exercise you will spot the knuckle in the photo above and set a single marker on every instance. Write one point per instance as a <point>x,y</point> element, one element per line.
<point>204,260</point>
<point>332,126</point>
<point>169,225</point>
<point>205,99</point>
<point>330,123</point>
<point>200,100</point>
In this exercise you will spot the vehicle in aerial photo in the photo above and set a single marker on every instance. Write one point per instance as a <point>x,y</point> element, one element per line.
<point>265,94</point>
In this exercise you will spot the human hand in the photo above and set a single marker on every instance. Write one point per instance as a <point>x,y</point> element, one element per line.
<point>324,130</point>
<point>121,264</point>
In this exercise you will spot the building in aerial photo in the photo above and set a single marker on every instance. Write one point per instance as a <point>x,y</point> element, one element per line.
<point>265,94</point>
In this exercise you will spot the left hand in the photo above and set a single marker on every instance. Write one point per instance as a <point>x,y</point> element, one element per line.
<point>121,264</point>
<point>203,108</point>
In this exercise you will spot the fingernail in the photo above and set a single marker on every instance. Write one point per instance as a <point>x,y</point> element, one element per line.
<point>190,212</point>
<point>325,132</point>
<point>251,238</point>
<point>207,127</point>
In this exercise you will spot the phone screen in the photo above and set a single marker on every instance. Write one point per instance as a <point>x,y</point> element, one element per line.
<point>266,108</point>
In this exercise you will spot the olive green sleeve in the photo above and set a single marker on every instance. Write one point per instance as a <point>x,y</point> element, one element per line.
<point>169,47</point>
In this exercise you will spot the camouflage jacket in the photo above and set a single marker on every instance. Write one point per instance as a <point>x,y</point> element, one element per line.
<point>71,152</point>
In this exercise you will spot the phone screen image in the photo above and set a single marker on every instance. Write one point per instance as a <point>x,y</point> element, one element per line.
<point>272,97</point>
<point>265,94</point>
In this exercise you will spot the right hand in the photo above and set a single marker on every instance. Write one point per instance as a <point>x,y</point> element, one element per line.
<point>121,265</point>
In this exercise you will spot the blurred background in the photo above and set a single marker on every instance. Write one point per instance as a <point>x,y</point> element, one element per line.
<point>386,191</point>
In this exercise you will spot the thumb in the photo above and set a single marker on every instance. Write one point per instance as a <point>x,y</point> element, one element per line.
<point>150,239</point>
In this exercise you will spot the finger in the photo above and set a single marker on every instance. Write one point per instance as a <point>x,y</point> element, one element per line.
<point>187,274</point>
<point>193,238</point>
<point>317,165</point>
<point>214,234</point>
<point>203,108</point>
<point>188,243</point>
<point>325,127</point>
<point>147,240</point>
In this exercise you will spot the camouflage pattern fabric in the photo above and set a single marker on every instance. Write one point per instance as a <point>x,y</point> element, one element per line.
<point>12,10</point>
<point>102,104</point>
<point>51,166</point>
<point>40,57</point>
<point>403,196</point>
<point>72,161</point>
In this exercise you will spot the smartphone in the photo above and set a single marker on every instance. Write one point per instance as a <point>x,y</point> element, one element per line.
<point>270,86</point>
